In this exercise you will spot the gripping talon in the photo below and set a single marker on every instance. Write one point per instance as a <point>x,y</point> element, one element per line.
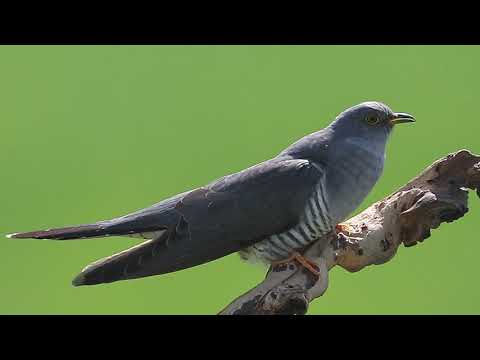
<point>307,264</point>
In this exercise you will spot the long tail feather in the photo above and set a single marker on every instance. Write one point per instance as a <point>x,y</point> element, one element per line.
<point>66,233</point>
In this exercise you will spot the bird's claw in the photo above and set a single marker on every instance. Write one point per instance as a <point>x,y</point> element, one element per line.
<point>306,263</point>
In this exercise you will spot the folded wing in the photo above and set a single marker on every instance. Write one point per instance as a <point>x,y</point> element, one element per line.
<point>205,224</point>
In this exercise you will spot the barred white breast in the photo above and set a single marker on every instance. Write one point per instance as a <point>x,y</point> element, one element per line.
<point>314,222</point>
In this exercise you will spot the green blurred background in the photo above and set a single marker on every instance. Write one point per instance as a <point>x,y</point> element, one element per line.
<point>93,132</point>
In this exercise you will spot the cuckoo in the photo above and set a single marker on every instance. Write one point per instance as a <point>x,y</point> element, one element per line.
<point>269,212</point>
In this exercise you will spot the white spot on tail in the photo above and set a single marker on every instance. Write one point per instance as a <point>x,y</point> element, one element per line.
<point>11,235</point>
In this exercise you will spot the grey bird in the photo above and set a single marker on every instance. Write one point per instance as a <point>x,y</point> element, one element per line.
<point>267,212</point>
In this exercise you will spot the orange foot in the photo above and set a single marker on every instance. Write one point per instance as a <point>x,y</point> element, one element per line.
<point>344,228</point>
<point>307,264</point>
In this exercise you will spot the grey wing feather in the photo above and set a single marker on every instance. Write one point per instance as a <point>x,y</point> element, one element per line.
<point>226,216</point>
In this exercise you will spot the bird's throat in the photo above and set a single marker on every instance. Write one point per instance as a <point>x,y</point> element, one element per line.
<point>354,168</point>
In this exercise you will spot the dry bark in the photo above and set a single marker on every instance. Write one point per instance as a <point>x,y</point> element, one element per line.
<point>439,194</point>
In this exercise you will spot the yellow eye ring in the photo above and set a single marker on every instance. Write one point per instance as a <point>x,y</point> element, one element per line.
<point>372,120</point>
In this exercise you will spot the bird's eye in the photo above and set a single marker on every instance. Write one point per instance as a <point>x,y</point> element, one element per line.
<point>372,120</point>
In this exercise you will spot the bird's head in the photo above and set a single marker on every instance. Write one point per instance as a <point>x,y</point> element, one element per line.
<point>369,120</point>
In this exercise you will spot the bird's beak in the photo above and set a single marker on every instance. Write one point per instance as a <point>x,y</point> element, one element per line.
<point>399,118</point>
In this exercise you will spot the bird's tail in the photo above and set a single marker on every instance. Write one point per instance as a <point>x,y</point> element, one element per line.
<point>67,233</point>
<point>135,223</point>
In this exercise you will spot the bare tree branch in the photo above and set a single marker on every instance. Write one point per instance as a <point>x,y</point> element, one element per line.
<point>439,194</point>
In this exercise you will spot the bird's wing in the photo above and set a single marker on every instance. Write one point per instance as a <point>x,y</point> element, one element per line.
<point>226,216</point>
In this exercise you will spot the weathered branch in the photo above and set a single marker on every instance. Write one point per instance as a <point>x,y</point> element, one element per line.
<point>439,194</point>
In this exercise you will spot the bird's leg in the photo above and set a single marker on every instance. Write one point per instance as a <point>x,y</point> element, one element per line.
<point>307,264</point>
<point>344,228</point>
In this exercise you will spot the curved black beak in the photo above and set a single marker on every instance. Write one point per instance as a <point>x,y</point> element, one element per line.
<point>399,118</point>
